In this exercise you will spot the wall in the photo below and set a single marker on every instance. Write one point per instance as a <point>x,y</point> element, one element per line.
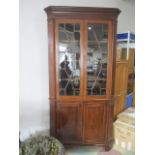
<point>34,105</point>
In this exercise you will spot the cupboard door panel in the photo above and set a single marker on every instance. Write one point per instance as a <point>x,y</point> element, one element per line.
<point>97,55</point>
<point>69,58</point>
<point>69,122</point>
<point>95,122</point>
<point>98,51</point>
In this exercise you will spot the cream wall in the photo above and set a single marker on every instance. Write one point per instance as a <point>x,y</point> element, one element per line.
<point>34,105</point>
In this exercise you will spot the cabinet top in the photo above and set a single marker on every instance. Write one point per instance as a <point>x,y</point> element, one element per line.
<point>62,11</point>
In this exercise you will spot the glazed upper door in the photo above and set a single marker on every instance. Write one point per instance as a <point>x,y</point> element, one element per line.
<point>69,59</point>
<point>97,59</point>
<point>83,58</point>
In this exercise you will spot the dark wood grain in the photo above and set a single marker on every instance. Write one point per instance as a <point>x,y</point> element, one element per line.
<point>69,122</point>
<point>81,12</point>
<point>51,62</point>
<point>94,121</point>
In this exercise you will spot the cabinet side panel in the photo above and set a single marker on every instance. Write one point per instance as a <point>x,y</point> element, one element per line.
<point>113,56</point>
<point>110,107</point>
<point>51,62</point>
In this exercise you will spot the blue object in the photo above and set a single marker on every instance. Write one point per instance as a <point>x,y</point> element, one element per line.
<point>132,36</point>
<point>126,36</point>
<point>129,100</point>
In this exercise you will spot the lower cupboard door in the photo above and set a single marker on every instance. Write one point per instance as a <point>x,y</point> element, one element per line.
<point>95,120</point>
<point>69,122</point>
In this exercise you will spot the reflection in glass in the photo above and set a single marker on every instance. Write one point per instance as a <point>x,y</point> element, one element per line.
<point>97,59</point>
<point>69,59</point>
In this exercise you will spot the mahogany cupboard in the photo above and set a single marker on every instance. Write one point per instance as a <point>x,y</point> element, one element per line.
<point>81,73</point>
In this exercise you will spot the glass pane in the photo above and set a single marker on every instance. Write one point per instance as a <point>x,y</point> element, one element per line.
<point>97,55</point>
<point>69,59</point>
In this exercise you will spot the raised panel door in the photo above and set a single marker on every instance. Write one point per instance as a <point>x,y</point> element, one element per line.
<point>95,122</point>
<point>69,122</point>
